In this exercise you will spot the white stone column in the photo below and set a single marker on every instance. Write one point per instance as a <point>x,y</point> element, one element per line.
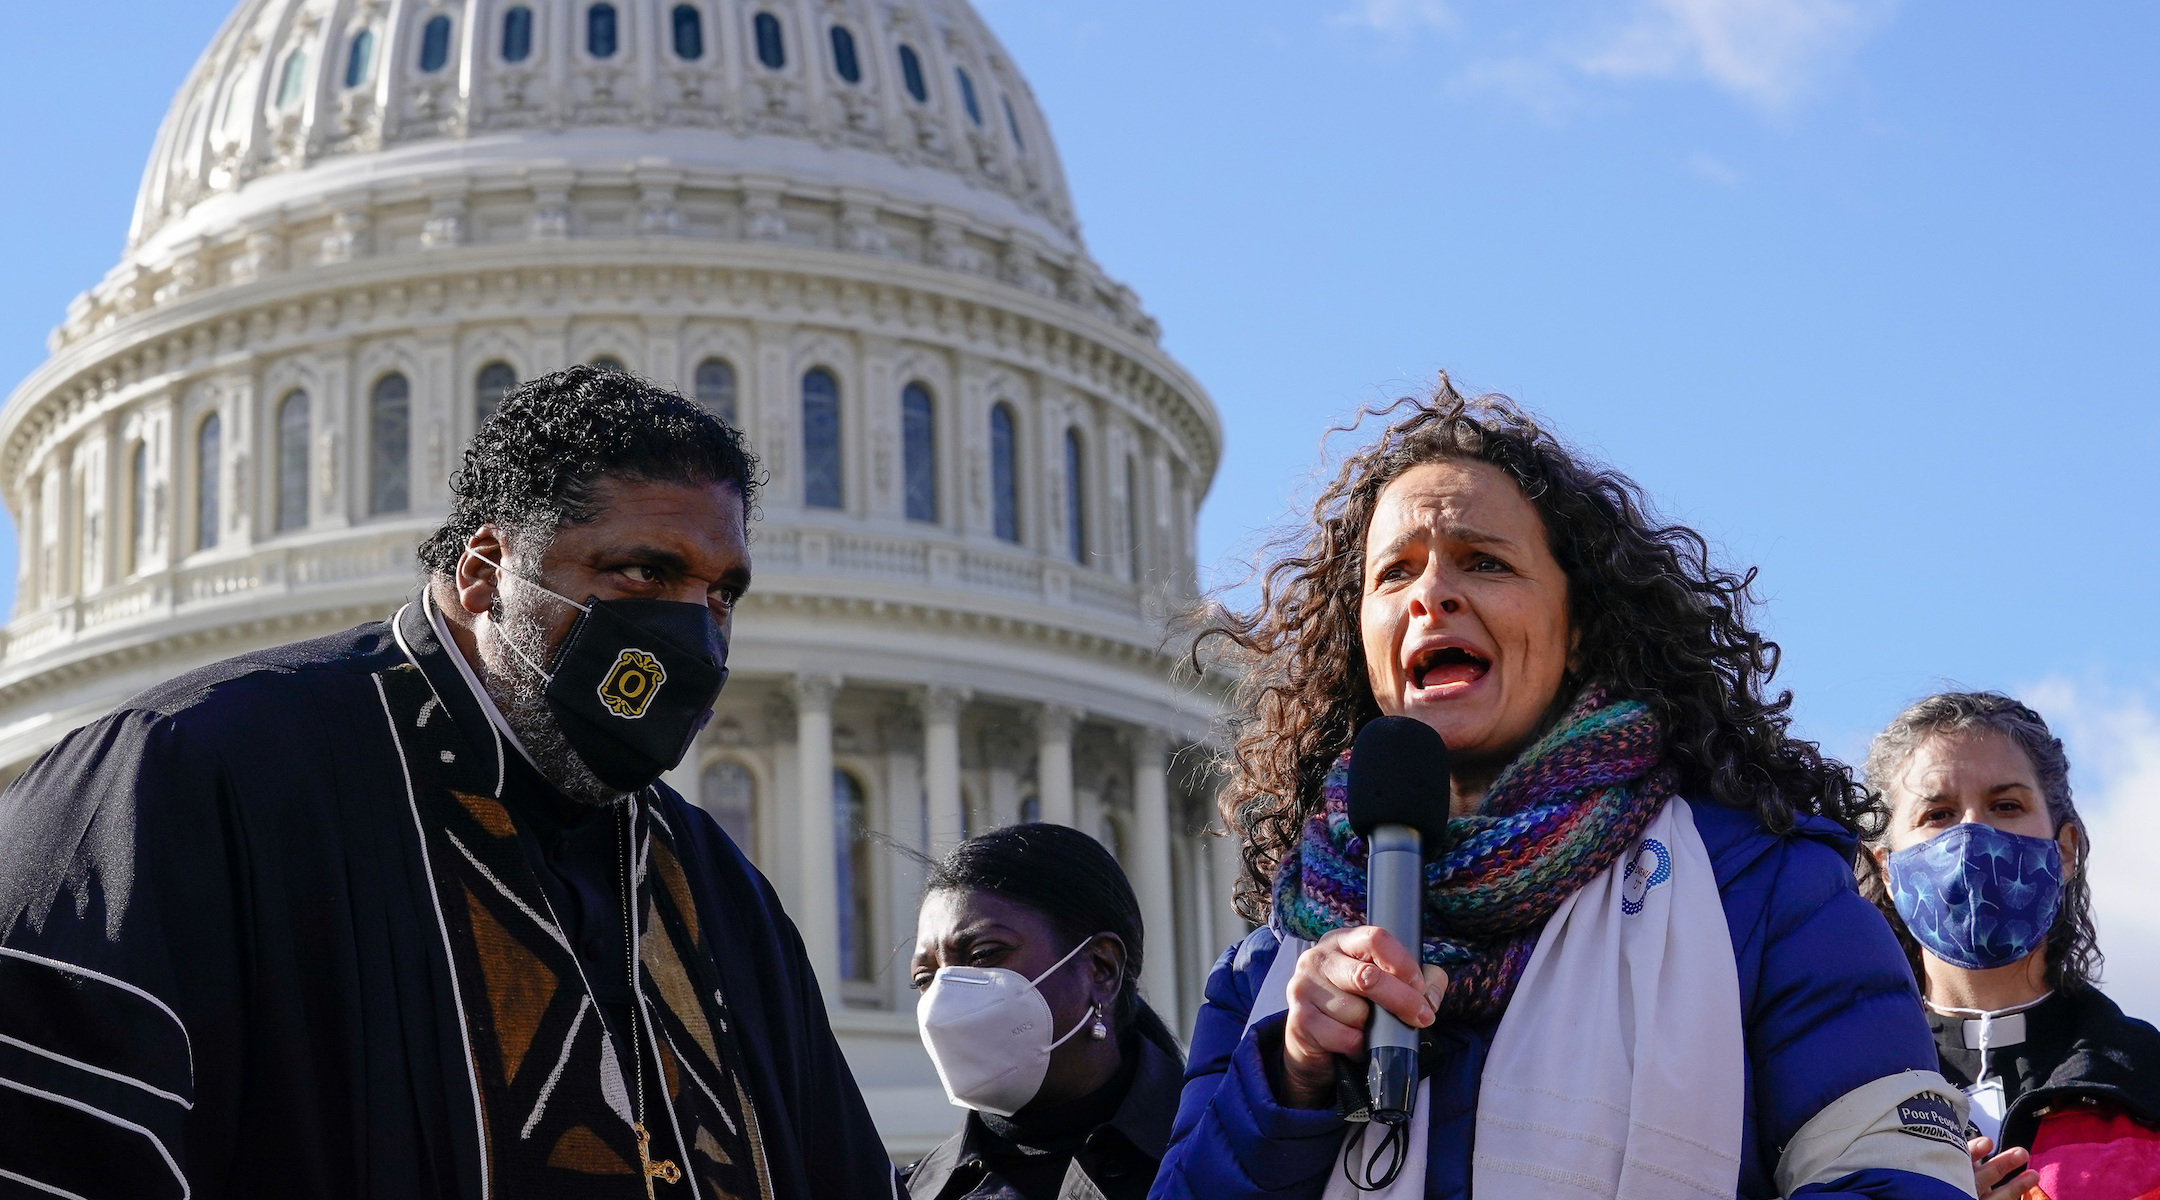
<point>941,708</point>
<point>817,912</point>
<point>1227,855</point>
<point>1150,871</point>
<point>1053,762</point>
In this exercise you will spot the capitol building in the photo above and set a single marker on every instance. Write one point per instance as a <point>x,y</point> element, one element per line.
<point>842,225</point>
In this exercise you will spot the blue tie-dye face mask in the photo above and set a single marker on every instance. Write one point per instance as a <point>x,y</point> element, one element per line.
<point>1977,896</point>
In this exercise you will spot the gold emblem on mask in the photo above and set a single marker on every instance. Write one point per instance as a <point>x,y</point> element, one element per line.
<point>631,683</point>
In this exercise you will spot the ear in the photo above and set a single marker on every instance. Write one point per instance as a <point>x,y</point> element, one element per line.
<point>1106,967</point>
<point>2067,839</point>
<point>1882,859</point>
<point>478,575</point>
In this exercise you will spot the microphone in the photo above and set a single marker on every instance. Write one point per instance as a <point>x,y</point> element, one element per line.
<point>1398,802</point>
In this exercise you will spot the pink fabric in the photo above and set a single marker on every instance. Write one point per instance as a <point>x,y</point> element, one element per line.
<point>2095,1154</point>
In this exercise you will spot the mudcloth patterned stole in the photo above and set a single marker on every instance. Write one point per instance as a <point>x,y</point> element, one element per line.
<point>555,1103</point>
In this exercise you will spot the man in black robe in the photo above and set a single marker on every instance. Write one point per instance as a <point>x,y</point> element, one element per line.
<point>404,911</point>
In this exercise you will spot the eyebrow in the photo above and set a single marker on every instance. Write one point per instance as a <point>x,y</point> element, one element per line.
<point>1454,533</point>
<point>1927,798</point>
<point>647,554</point>
<point>962,937</point>
<point>969,933</point>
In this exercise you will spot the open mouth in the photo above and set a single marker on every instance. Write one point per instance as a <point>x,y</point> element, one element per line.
<point>1445,667</point>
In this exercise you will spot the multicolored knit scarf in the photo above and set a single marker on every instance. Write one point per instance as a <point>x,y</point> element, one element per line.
<point>1556,817</point>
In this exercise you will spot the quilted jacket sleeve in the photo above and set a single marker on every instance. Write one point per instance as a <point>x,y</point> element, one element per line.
<point>1832,1009</point>
<point>1231,1139</point>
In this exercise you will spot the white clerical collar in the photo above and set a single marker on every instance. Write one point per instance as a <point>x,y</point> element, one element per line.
<point>1992,1030</point>
<point>472,681</point>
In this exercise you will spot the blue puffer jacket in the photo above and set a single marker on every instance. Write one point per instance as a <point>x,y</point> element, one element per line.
<point>1827,1004</point>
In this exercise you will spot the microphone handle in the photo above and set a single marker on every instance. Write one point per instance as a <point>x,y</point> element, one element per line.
<point>1394,900</point>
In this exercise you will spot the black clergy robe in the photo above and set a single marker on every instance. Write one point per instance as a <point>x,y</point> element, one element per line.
<point>269,929</point>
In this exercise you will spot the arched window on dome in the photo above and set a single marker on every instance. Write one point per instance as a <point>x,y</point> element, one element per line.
<point>821,439</point>
<point>844,61</point>
<point>714,387</point>
<point>608,362</point>
<point>435,43</point>
<point>918,450</point>
<point>292,462</point>
<point>209,461</point>
<point>600,31</point>
<point>517,34</point>
<point>1004,473</point>
<point>851,863</point>
<point>359,58</point>
<point>389,445</point>
<point>1075,497</point>
<point>911,74</point>
<point>489,387</point>
<point>728,792</point>
<point>138,506</point>
<point>291,81</point>
<point>967,95</point>
<point>689,30</point>
<point>1013,123</point>
<point>771,47</point>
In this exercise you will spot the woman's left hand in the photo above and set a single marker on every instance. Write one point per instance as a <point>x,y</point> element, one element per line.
<point>2003,1176</point>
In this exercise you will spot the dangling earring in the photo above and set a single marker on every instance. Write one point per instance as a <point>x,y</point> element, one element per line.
<point>1100,1031</point>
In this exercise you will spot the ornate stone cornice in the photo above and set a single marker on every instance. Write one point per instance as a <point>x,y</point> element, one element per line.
<point>235,329</point>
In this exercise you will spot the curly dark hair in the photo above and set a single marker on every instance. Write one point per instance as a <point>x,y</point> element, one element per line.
<point>1657,622</point>
<point>532,466</point>
<point>2073,947</point>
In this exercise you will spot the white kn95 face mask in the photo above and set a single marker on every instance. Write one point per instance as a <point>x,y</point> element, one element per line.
<point>988,1031</point>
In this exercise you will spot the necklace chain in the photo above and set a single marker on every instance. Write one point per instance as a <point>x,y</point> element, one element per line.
<point>661,1170</point>
<point>637,1056</point>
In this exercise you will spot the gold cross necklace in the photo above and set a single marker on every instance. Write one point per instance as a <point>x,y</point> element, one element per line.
<point>665,1169</point>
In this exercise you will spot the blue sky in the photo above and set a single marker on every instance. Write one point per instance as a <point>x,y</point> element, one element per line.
<point>1865,291</point>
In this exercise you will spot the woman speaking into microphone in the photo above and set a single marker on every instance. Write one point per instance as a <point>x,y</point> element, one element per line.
<point>1645,970</point>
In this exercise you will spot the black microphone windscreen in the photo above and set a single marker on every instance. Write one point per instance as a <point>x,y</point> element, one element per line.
<point>1399,776</point>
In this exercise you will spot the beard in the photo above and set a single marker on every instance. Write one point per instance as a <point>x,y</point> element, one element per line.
<point>520,694</point>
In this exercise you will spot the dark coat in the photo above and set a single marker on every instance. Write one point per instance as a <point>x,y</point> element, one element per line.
<point>2084,1052</point>
<point>1117,1161</point>
<point>223,973</point>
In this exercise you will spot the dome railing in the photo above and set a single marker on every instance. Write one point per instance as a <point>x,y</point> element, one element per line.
<point>341,564</point>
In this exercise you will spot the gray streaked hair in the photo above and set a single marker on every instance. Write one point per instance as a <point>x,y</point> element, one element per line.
<point>2073,950</point>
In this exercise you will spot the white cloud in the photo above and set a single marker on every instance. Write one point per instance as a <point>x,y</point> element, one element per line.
<point>1537,83</point>
<point>2113,738</point>
<point>1704,166</point>
<point>1398,16</point>
<point>1769,52</point>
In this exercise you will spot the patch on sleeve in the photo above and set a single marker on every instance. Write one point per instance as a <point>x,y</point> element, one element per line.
<point>1930,1115</point>
<point>1912,1121</point>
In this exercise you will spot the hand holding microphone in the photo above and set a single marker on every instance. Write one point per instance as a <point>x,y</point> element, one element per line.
<point>1362,988</point>
<point>1332,995</point>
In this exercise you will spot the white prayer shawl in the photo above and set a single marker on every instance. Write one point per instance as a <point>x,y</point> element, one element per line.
<point>1618,1069</point>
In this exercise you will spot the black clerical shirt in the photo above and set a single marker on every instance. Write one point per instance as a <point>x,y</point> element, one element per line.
<point>2078,1048</point>
<point>576,852</point>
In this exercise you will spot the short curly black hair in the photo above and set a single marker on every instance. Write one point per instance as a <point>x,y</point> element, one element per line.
<point>532,466</point>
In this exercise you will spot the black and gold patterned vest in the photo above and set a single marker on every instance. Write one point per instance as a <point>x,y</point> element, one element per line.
<point>558,1110</point>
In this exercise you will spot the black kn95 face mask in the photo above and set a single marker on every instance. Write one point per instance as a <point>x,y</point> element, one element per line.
<point>632,682</point>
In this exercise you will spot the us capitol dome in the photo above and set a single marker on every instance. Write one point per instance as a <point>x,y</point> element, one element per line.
<point>842,225</point>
